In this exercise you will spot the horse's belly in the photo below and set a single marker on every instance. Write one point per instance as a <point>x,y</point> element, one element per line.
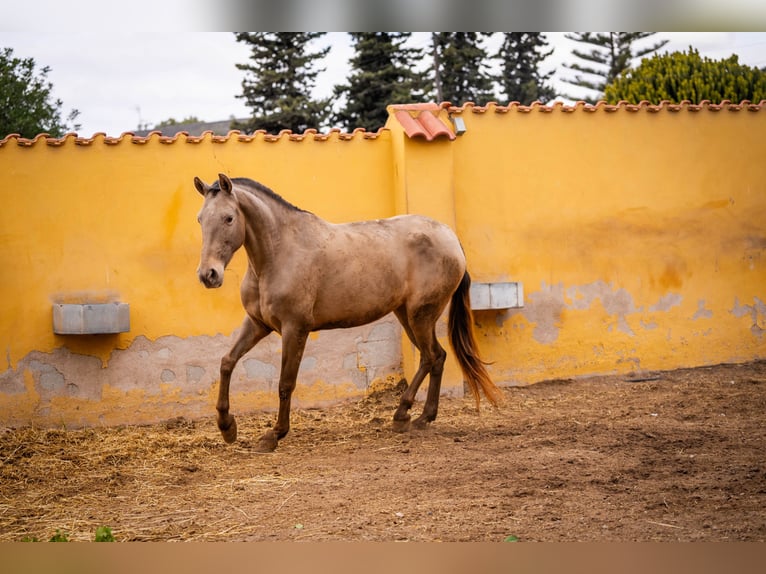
<point>356,294</point>
<point>367,301</point>
<point>355,320</point>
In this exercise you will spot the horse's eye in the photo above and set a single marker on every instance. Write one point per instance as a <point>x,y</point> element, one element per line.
<point>229,219</point>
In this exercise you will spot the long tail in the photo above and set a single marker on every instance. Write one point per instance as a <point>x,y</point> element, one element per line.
<point>460,327</point>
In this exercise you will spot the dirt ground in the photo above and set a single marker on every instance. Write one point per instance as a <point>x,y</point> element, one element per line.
<point>665,456</point>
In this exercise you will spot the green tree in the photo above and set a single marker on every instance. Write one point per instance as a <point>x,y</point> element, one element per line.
<point>174,122</point>
<point>688,76</point>
<point>610,54</point>
<point>520,56</point>
<point>27,106</point>
<point>459,68</point>
<point>279,78</point>
<point>382,73</point>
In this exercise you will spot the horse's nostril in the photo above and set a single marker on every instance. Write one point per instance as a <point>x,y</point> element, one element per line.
<point>210,277</point>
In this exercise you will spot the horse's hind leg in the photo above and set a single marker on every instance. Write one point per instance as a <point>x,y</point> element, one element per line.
<point>421,329</point>
<point>402,415</point>
<point>431,407</point>
<point>249,334</point>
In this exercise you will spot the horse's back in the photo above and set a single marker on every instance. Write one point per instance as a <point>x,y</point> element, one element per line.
<point>413,252</point>
<point>415,241</point>
<point>370,268</point>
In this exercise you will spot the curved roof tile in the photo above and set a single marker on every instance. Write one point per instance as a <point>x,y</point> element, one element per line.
<point>184,137</point>
<point>421,121</point>
<point>418,121</point>
<point>604,106</point>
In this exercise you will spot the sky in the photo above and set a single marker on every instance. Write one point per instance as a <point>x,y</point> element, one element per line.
<point>120,79</point>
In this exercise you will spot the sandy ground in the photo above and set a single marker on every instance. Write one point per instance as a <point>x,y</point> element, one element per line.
<point>666,456</point>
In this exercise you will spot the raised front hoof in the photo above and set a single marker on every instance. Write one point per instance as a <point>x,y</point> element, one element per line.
<point>229,431</point>
<point>268,442</point>
<point>401,425</point>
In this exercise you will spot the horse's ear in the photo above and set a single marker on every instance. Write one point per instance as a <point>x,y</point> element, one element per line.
<point>201,186</point>
<point>225,183</point>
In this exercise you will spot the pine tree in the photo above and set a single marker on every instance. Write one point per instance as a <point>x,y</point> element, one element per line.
<point>688,76</point>
<point>520,56</point>
<point>382,73</point>
<point>460,70</point>
<point>611,54</point>
<point>278,83</point>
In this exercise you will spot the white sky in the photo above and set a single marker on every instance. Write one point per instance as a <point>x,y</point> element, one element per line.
<point>120,78</point>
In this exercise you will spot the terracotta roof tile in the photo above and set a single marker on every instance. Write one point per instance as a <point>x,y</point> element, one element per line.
<point>421,121</point>
<point>581,106</point>
<point>184,137</point>
<point>418,121</point>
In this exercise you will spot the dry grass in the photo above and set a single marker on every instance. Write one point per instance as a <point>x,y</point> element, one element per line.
<point>54,479</point>
<point>674,456</point>
<point>171,481</point>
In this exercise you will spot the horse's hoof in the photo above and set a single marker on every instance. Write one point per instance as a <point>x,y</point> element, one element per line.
<point>268,442</point>
<point>229,433</point>
<point>401,426</point>
<point>421,423</point>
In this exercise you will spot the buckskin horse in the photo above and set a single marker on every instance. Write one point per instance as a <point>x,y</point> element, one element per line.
<point>306,274</point>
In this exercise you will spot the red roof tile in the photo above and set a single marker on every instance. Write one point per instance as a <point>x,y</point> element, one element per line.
<point>418,121</point>
<point>184,137</point>
<point>603,106</point>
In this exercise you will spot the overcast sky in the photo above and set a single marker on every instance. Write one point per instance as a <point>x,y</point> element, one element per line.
<point>122,78</point>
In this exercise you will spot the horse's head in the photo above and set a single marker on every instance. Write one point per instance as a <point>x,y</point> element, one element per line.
<point>223,229</point>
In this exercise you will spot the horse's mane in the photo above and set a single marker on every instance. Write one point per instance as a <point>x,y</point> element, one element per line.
<point>255,187</point>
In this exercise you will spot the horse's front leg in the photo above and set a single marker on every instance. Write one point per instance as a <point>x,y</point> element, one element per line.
<point>293,345</point>
<point>249,334</point>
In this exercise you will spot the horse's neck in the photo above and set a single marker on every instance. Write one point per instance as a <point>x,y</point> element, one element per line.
<point>270,226</point>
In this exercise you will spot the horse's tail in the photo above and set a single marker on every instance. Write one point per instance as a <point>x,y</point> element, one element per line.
<point>460,327</point>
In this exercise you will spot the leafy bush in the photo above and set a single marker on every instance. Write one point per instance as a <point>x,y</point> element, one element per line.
<point>688,76</point>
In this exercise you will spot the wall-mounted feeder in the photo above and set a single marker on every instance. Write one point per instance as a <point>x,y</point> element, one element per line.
<point>487,296</point>
<point>91,318</point>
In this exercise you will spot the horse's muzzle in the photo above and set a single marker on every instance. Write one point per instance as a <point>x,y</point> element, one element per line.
<point>211,278</point>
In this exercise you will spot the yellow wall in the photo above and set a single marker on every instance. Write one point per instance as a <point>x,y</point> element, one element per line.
<point>87,222</point>
<point>638,236</point>
<point>93,222</point>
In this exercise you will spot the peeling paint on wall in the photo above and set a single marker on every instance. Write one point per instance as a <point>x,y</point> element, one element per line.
<point>617,302</point>
<point>173,376</point>
<point>667,302</point>
<point>702,312</point>
<point>757,313</point>
<point>545,309</point>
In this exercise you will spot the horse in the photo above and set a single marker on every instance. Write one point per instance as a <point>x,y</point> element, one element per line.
<point>305,274</point>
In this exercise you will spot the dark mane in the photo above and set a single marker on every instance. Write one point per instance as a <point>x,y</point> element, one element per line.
<point>255,187</point>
